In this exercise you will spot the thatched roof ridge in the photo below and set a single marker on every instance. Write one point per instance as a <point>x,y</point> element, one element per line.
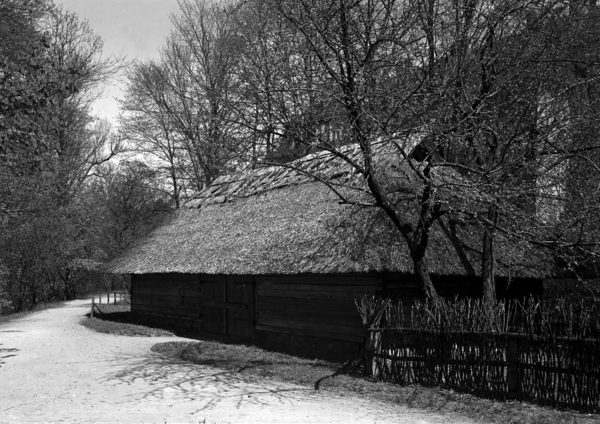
<point>278,220</point>
<point>322,164</point>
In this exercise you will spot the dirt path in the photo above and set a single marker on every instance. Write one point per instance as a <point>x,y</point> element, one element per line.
<point>54,370</point>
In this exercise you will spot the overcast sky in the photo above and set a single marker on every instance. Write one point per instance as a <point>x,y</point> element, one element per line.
<point>136,28</point>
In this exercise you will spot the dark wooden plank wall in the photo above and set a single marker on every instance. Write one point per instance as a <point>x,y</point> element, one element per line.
<point>241,293</point>
<point>214,291</point>
<point>176,296</point>
<point>309,305</point>
<point>406,286</point>
<point>313,305</point>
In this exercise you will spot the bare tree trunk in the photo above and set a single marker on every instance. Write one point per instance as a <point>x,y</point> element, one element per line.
<point>488,261</point>
<point>423,278</point>
<point>176,188</point>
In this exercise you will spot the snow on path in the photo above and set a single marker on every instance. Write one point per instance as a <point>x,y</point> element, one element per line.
<point>52,369</point>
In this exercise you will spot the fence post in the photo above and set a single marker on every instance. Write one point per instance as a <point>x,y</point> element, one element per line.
<point>115,298</point>
<point>92,311</point>
<point>372,347</point>
<point>512,367</point>
<point>108,298</point>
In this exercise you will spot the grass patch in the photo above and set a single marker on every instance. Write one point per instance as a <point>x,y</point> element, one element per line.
<point>347,378</point>
<point>116,319</point>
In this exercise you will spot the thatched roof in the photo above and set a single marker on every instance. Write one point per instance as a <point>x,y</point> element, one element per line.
<point>86,265</point>
<point>278,220</point>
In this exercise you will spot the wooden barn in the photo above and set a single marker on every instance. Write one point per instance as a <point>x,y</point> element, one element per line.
<point>272,256</point>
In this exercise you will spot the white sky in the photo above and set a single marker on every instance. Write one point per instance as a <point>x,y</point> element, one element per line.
<point>135,28</point>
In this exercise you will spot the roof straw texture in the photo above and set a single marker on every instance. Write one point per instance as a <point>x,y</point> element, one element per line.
<point>280,221</point>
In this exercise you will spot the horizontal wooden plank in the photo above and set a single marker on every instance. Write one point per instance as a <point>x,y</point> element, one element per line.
<point>173,315</point>
<point>316,318</point>
<point>415,288</point>
<point>332,279</point>
<point>161,279</point>
<point>354,288</point>
<point>188,302</point>
<point>175,319</point>
<point>159,308</point>
<point>226,305</point>
<point>165,309</point>
<point>303,325</point>
<point>349,311</point>
<point>166,284</point>
<point>300,294</point>
<point>169,287</point>
<point>168,291</point>
<point>312,333</point>
<point>170,296</point>
<point>339,304</point>
<point>307,310</point>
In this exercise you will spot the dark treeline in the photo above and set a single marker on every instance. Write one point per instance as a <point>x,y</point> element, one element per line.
<point>64,205</point>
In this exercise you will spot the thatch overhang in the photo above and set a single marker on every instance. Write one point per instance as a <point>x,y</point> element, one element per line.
<point>278,220</point>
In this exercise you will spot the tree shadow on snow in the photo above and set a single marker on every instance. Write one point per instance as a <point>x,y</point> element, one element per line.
<point>206,386</point>
<point>6,353</point>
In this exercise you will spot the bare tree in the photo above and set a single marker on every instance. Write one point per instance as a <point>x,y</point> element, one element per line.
<point>356,51</point>
<point>132,202</point>
<point>273,59</point>
<point>471,83</point>
<point>181,108</point>
<point>488,108</point>
<point>512,128</point>
<point>147,124</point>
<point>199,58</point>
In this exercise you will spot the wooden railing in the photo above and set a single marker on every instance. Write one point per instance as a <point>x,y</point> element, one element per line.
<point>121,295</point>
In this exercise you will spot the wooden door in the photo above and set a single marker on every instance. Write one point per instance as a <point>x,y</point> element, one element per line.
<point>214,296</point>
<point>228,305</point>
<point>240,306</point>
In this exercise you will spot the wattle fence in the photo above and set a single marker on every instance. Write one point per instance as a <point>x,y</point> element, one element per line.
<point>559,372</point>
<point>546,352</point>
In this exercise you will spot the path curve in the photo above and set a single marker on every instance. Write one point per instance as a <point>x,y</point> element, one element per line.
<point>53,369</point>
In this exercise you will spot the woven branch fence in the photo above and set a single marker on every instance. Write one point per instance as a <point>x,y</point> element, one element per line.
<point>468,349</point>
<point>562,373</point>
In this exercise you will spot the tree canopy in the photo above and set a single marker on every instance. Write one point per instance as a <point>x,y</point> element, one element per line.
<point>51,150</point>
